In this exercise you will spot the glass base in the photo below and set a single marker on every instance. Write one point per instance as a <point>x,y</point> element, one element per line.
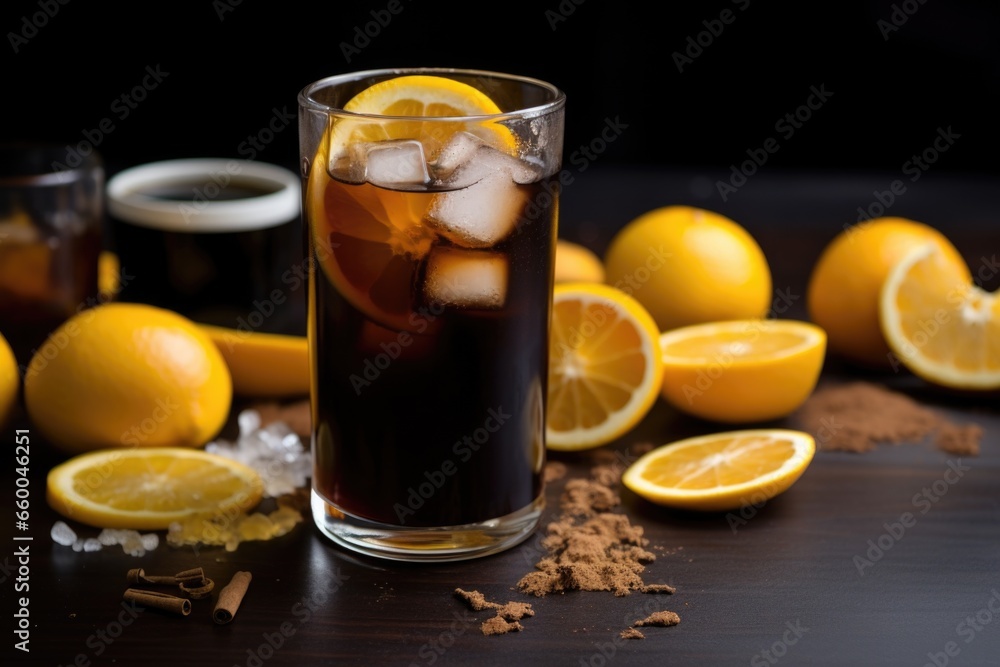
<point>446,543</point>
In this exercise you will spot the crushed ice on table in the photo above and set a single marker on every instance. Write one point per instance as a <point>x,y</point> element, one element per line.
<point>63,534</point>
<point>274,451</point>
<point>131,541</point>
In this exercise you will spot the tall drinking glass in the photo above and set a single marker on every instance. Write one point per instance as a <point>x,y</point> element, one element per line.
<point>431,241</point>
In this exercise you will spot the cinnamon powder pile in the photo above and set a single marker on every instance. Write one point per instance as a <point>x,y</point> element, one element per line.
<point>590,547</point>
<point>858,416</point>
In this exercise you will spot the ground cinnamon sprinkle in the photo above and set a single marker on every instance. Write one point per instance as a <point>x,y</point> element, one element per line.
<point>661,618</point>
<point>507,616</point>
<point>590,547</point>
<point>959,439</point>
<point>858,416</point>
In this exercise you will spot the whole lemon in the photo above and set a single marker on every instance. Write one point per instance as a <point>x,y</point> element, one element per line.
<point>125,374</point>
<point>577,264</point>
<point>843,292</point>
<point>10,380</point>
<point>689,266</point>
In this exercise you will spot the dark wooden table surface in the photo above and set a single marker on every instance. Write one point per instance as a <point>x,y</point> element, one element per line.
<point>783,588</point>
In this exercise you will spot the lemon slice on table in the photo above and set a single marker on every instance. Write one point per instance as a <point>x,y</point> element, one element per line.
<point>942,327</point>
<point>419,96</point>
<point>604,365</point>
<point>150,488</point>
<point>742,371</point>
<point>722,471</point>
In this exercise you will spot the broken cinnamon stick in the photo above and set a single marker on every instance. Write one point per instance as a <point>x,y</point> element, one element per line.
<point>197,588</point>
<point>157,600</point>
<point>230,597</point>
<point>138,576</point>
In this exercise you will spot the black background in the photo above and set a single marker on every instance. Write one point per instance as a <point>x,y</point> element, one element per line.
<point>232,67</point>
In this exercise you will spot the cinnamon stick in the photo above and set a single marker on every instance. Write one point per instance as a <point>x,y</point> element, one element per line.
<point>157,600</point>
<point>194,574</point>
<point>230,597</point>
<point>138,576</point>
<point>197,588</point>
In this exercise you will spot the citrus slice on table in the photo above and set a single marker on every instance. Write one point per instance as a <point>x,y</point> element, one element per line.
<point>722,471</point>
<point>370,241</point>
<point>741,371</point>
<point>939,324</point>
<point>149,488</point>
<point>604,366</point>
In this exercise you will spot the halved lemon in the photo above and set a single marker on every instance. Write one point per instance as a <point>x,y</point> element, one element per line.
<point>420,96</point>
<point>149,488</point>
<point>263,364</point>
<point>742,371</point>
<point>722,471</point>
<point>604,366</point>
<point>940,325</point>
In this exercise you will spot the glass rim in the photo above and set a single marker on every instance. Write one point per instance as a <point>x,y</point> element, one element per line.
<point>51,175</point>
<point>557,102</point>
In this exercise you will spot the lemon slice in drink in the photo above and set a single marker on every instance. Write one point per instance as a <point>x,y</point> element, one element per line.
<point>722,471</point>
<point>150,488</point>
<point>605,366</point>
<point>370,241</point>
<point>419,96</point>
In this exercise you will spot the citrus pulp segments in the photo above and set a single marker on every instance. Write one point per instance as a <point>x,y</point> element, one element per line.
<point>605,368</point>
<point>149,488</point>
<point>939,324</point>
<point>722,471</point>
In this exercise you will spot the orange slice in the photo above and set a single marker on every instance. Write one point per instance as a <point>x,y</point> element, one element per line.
<point>604,366</point>
<point>722,471</point>
<point>370,241</point>
<point>939,324</point>
<point>742,371</point>
<point>419,96</point>
<point>150,488</point>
